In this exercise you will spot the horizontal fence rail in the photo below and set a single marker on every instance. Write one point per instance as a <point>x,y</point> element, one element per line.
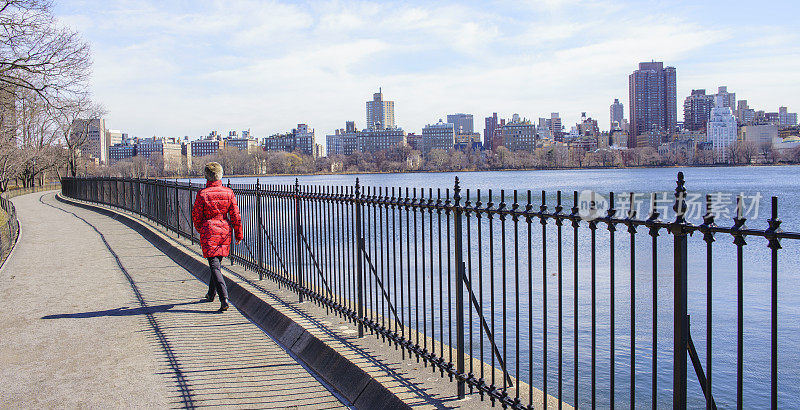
<point>527,299</point>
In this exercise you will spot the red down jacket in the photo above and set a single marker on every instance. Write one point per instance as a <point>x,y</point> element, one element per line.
<point>214,211</point>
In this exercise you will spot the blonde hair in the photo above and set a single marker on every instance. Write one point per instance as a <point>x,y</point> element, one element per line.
<point>213,171</point>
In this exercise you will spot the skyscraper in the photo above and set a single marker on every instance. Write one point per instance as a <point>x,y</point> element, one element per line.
<point>728,99</point>
<point>697,109</point>
<point>744,114</point>
<point>617,113</point>
<point>380,113</point>
<point>94,132</point>
<point>721,130</point>
<point>462,122</point>
<point>554,123</point>
<point>488,131</point>
<point>653,99</point>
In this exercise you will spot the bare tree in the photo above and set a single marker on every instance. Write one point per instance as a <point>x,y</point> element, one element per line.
<point>743,152</point>
<point>768,152</point>
<point>578,156</point>
<point>74,122</point>
<point>37,138</point>
<point>436,159</point>
<point>39,55</point>
<point>606,157</point>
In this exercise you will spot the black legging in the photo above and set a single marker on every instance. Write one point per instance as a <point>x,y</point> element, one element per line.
<point>216,283</point>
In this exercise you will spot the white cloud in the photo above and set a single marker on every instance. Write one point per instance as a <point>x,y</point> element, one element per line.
<point>177,70</point>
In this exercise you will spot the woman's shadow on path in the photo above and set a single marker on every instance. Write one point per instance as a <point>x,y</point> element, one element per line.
<point>126,311</point>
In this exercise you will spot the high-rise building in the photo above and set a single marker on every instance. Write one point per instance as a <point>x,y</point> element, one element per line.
<point>497,135</point>
<point>441,135</point>
<point>169,151</point>
<point>462,122</point>
<point>760,117</point>
<point>320,151</point>
<point>786,118</point>
<point>279,142</point>
<point>343,141</point>
<point>120,152</point>
<point>373,140</point>
<point>588,127</point>
<point>554,124</point>
<point>728,99</point>
<point>616,112</point>
<point>94,130</point>
<point>300,140</point>
<point>488,131</point>
<point>721,130</point>
<point>304,139</point>
<point>619,137</point>
<point>772,118</point>
<point>207,145</point>
<point>467,141</point>
<point>697,110</point>
<point>542,129</point>
<point>653,99</point>
<point>186,153</point>
<point>114,137</point>
<point>519,135</point>
<point>744,114</point>
<point>414,141</point>
<point>242,143</point>
<point>380,113</point>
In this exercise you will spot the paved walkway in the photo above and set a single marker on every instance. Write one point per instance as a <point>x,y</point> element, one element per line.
<point>94,316</point>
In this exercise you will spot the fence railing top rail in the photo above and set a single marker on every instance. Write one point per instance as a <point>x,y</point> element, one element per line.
<point>470,203</point>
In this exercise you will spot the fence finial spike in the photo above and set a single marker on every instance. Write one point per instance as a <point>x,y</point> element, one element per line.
<point>680,199</point>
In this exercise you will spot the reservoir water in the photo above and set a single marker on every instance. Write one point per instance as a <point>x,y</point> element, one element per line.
<point>757,184</point>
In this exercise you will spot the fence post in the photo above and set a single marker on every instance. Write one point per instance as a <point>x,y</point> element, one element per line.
<point>298,230</point>
<point>177,211</point>
<point>359,246</point>
<point>681,325</point>
<point>259,236</point>
<point>230,255</point>
<point>124,195</point>
<point>460,269</point>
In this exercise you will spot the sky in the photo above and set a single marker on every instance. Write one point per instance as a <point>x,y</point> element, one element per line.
<point>184,68</point>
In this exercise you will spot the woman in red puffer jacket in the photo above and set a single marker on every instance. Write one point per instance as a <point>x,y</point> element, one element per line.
<point>214,213</point>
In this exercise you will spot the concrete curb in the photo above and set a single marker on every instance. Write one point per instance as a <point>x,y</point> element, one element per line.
<point>344,376</point>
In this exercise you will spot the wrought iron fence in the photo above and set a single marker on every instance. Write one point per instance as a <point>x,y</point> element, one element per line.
<point>9,228</point>
<point>502,293</point>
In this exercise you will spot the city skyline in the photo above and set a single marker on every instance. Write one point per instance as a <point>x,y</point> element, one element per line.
<point>162,70</point>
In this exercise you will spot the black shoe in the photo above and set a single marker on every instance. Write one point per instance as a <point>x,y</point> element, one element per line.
<point>223,305</point>
<point>207,298</point>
